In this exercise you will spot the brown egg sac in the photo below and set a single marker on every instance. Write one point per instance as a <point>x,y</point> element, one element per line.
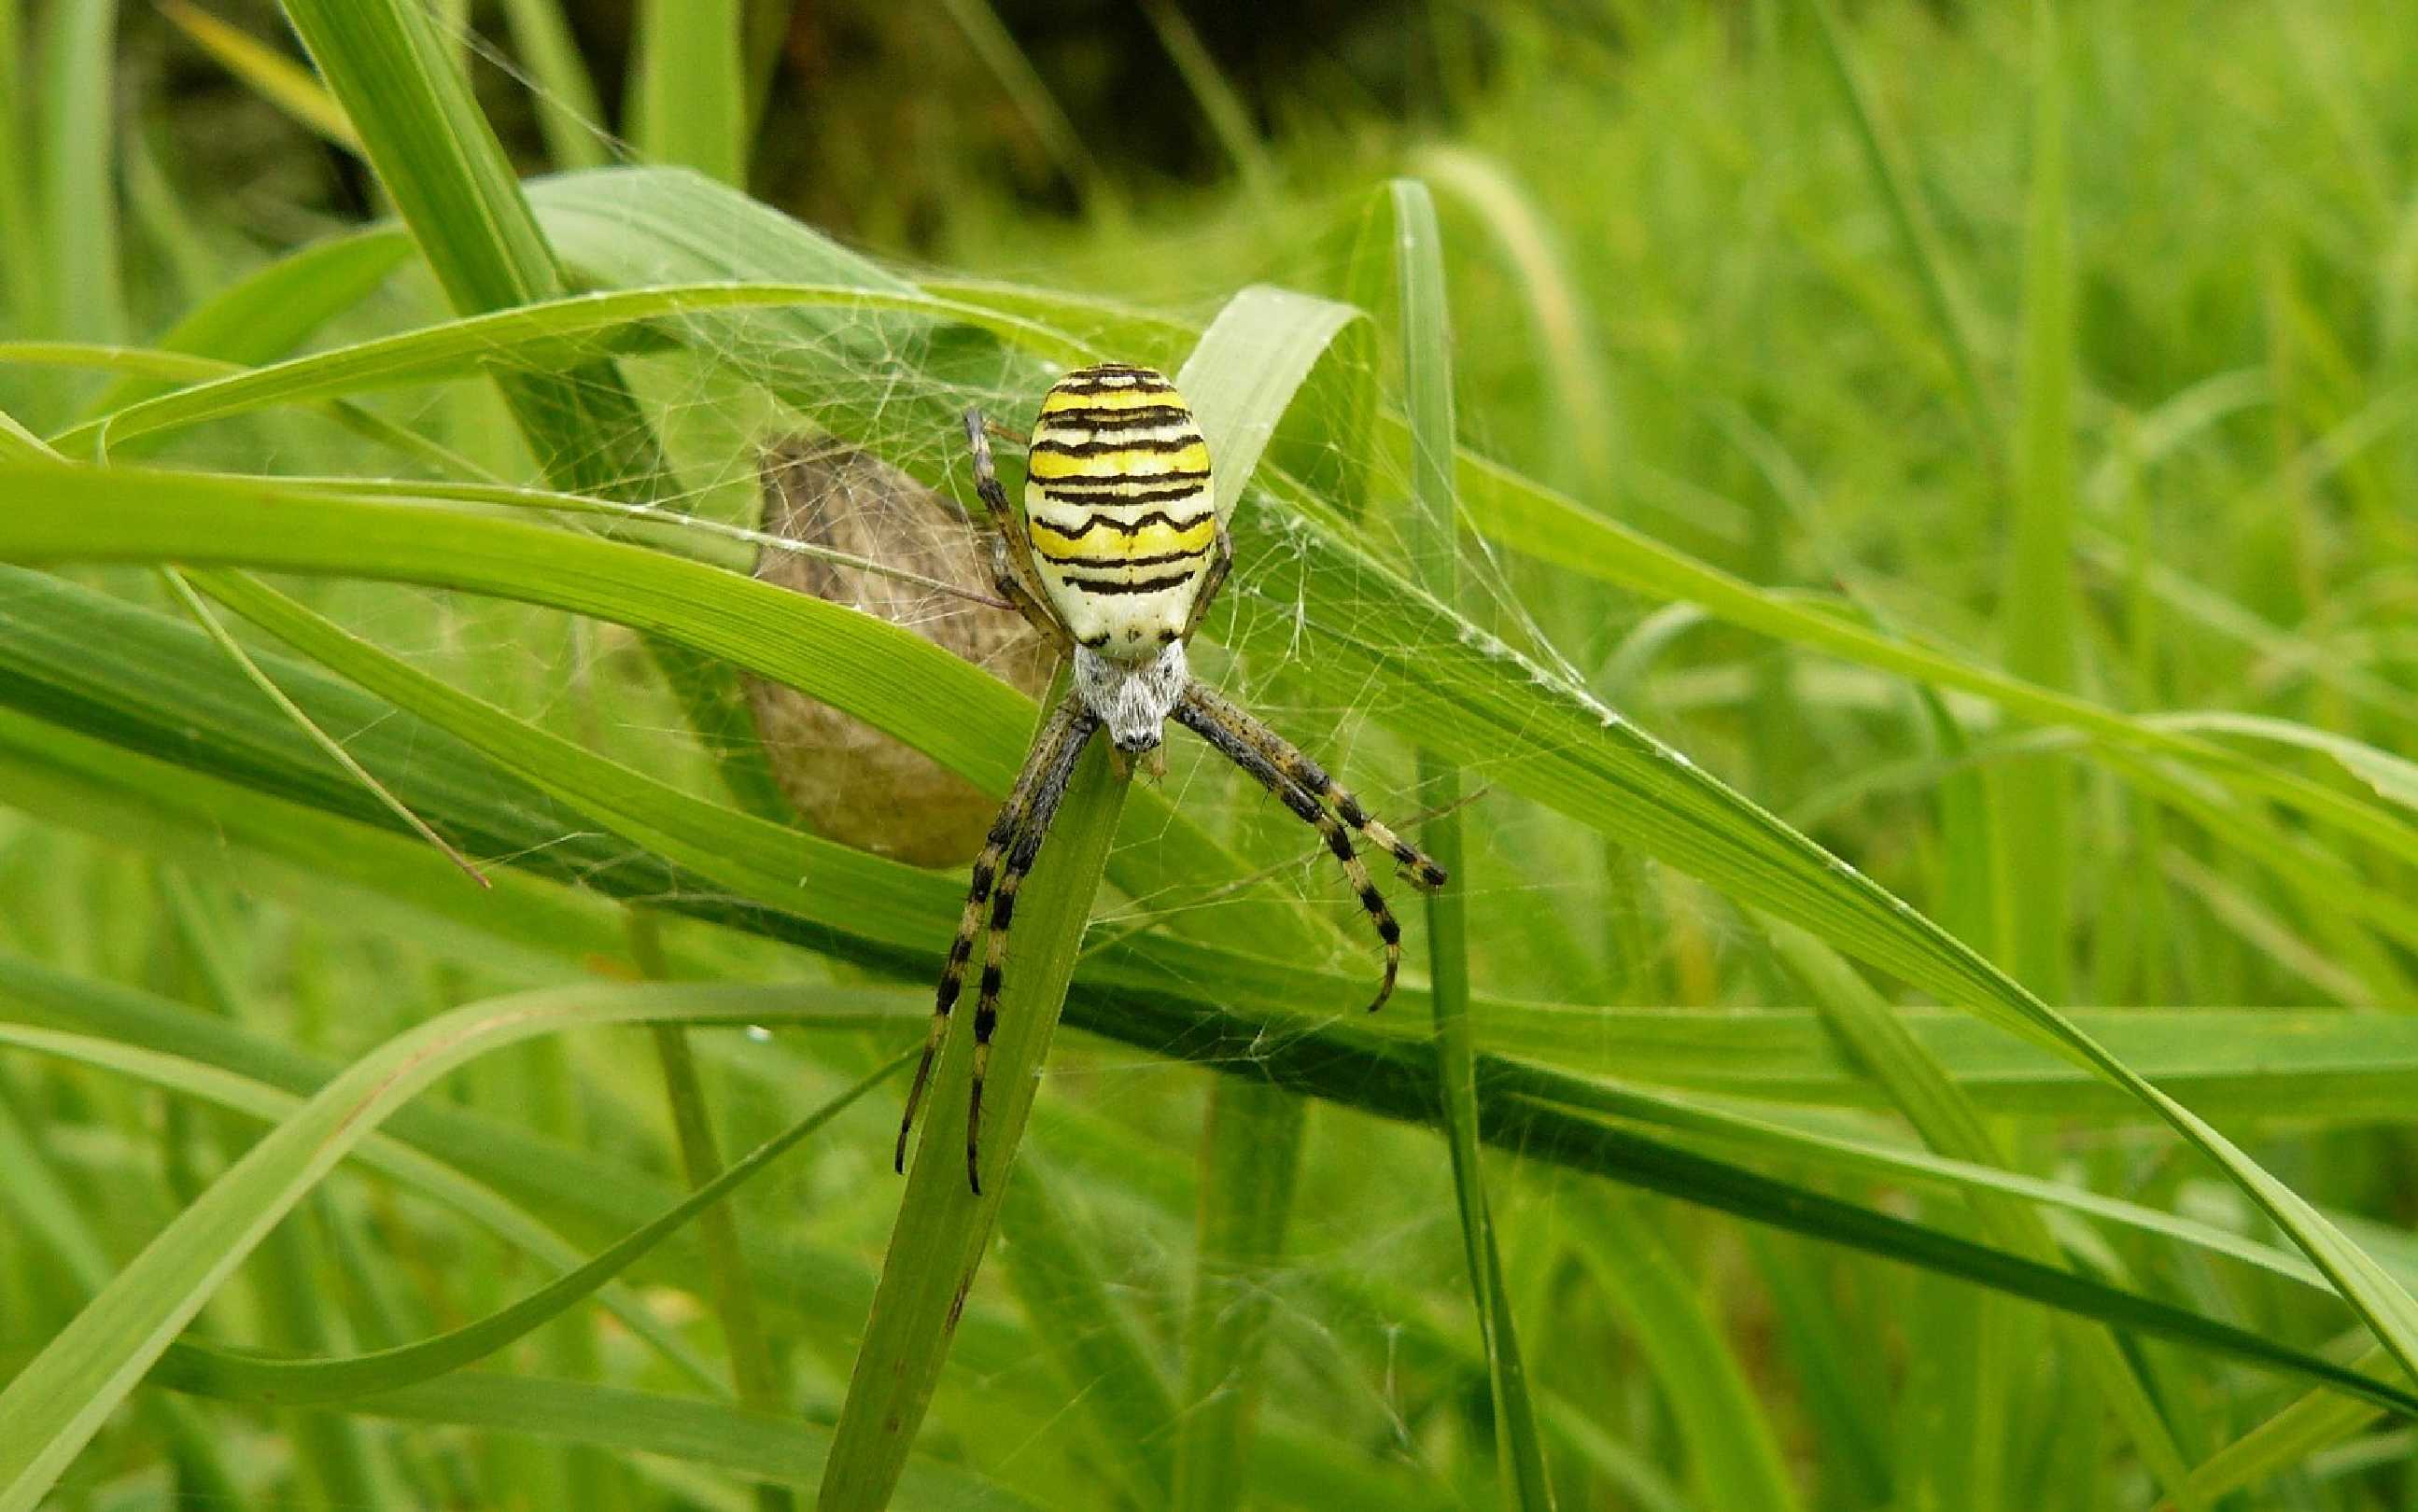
<point>854,782</point>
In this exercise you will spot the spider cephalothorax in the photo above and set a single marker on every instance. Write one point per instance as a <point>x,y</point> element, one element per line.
<point>1116,555</point>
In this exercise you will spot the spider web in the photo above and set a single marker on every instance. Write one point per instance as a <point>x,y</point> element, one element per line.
<point>1348,1326</point>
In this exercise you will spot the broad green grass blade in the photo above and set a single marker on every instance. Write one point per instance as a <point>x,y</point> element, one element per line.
<point>688,102</point>
<point>154,685</point>
<point>52,1407</point>
<point>943,1228</point>
<point>2266,1062</point>
<point>1403,222</point>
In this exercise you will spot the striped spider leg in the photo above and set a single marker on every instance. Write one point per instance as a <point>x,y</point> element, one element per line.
<point>1304,787</point>
<point>1414,863</point>
<point>1011,549</point>
<point>1007,857</point>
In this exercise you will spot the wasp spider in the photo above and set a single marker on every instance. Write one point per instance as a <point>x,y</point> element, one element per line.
<point>1116,556</point>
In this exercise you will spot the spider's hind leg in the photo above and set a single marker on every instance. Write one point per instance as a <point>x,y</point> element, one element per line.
<point>1202,716</point>
<point>1418,867</point>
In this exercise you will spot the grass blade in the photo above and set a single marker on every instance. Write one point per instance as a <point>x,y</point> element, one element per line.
<point>944,1228</point>
<point>568,110</point>
<point>1918,239</point>
<point>2032,843</point>
<point>79,224</point>
<point>1251,1146</point>
<point>1407,224</point>
<point>1949,1124</point>
<point>689,98</point>
<point>271,75</point>
<point>1733,1459</point>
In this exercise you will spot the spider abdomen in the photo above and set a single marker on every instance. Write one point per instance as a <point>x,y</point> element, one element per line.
<point>1119,509</point>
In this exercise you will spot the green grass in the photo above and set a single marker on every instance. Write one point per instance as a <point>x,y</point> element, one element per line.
<point>1875,540</point>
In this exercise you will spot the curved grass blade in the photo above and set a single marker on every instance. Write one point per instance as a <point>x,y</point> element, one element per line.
<point>204,1370</point>
<point>54,1406</point>
<point>782,1450</point>
<point>216,1083</point>
<point>541,336</point>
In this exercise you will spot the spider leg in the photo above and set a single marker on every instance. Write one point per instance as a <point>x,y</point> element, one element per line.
<point>1417,869</point>
<point>1043,810</point>
<point>1003,831</point>
<point>1211,581</point>
<point>1205,720</point>
<point>1011,558</point>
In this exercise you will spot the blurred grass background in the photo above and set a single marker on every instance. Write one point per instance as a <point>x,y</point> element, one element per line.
<point>2077,341</point>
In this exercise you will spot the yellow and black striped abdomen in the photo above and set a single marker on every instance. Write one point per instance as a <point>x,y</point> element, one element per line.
<point>1117,502</point>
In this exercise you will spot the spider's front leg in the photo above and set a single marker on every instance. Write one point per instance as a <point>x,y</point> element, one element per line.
<point>1011,553</point>
<point>1055,772</point>
<point>1212,580</point>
